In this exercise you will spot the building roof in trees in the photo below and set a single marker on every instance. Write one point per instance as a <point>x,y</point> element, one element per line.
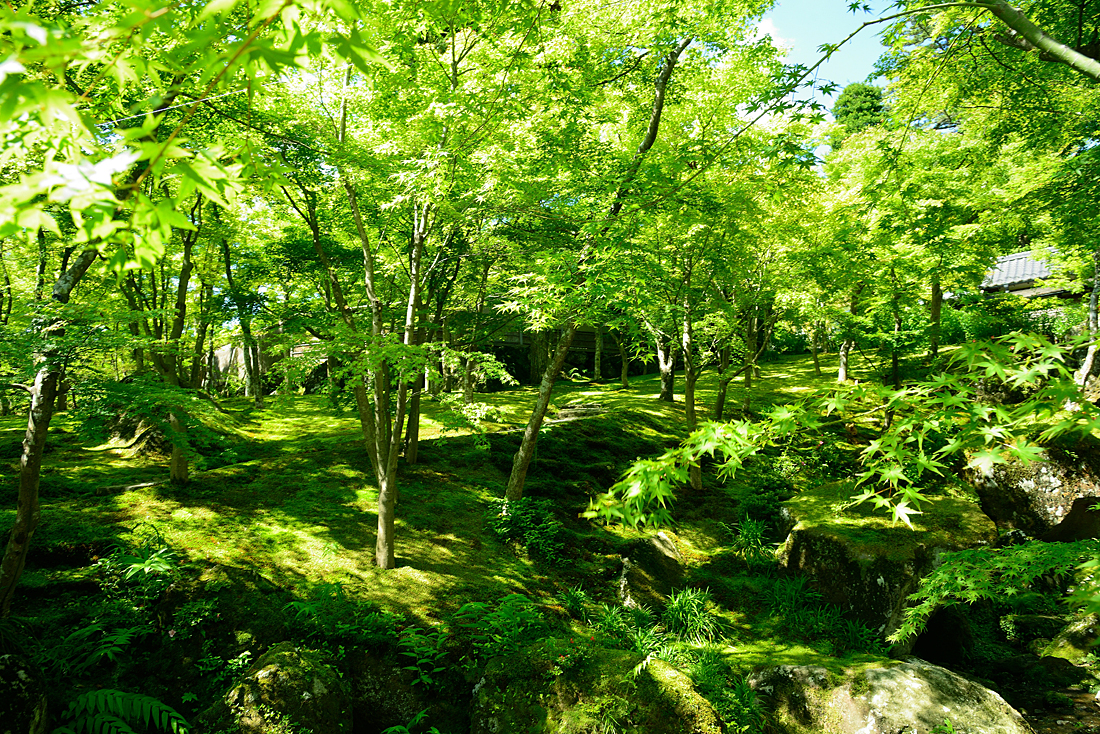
<point>1015,271</point>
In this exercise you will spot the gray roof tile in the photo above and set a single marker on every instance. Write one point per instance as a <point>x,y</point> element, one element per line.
<point>1019,267</point>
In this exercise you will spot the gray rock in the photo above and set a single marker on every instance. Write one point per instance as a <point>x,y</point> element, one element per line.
<point>287,687</point>
<point>22,697</point>
<point>652,568</point>
<point>909,698</point>
<point>1049,499</point>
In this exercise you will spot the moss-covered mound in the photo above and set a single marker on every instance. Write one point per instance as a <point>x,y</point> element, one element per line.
<point>864,563</point>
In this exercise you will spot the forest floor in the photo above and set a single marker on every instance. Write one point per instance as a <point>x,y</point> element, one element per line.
<point>289,499</point>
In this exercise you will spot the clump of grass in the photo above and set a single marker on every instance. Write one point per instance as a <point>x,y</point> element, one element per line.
<point>688,616</point>
<point>791,594</point>
<point>575,601</point>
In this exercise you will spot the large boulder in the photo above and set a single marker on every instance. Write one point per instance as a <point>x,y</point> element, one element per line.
<point>914,696</point>
<point>22,697</point>
<point>862,562</point>
<point>570,686</point>
<point>1048,499</point>
<point>288,686</point>
<point>652,568</point>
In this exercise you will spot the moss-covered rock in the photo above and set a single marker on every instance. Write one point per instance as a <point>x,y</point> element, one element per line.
<point>1075,641</point>
<point>570,686</point>
<point>287,687</point>
<point>864,563</point>
<point>22,697</point>
<point>914,696</point>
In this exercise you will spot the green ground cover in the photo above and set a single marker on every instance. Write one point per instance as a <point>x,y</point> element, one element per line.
<point>295,505</point>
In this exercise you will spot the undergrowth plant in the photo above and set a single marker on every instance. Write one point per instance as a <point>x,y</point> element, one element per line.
<point>425,649</point>
<point>687,615</point>
<point>530,522</point>
<point>109,711</point>
<point>502,630</point>
<point>733,700</point>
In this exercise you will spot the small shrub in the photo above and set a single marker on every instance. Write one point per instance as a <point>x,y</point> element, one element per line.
<point>765,494</point>
<point>687,616</point>
<point>426,651</point>
<point>611,620</point>
<point>531,523</point>
<point>751,542</point>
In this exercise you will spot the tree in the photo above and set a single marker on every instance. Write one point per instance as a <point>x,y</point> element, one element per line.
<point>858,107</point>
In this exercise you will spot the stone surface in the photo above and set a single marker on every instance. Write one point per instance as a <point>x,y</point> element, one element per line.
<point>287,687</point>
<point>569,686</point>
<point>1076,640</point>
<point>22,697</point>
<point>652,568</point>
<point>1048,499</point>
<point>910,697</point>
<point>862,562</point>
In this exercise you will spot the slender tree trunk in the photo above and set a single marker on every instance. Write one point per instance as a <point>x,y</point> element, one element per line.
<point>750,357</point>
<point>43,395</point>
<point>842,355</point>
<point>936,310</point>
<point>666,363</point>
<point>845,351</point>
<point>1083,372</point>
<point>526,453</point>
<point>40,269</point>
<point>895,347</point>
<point>724,379</point>
<point>815,349</point>
<point>597,370</point>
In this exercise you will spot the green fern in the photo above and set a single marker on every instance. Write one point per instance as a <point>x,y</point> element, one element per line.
<point>108,711</point>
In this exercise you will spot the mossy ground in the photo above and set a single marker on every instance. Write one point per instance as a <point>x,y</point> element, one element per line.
<point>297,506</point>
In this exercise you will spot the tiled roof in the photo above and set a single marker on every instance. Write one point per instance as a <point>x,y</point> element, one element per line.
<point>1014,269</point>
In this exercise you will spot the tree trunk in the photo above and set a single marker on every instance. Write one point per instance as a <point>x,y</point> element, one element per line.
<point>526,453</point>
<point>895,346</point>
<point>724,379</point>
<point>687,344</point>
<point>936,309</point>
<point>597,369</point>
<point>178,465</point>
<point>624,361</point>
<point>1083,372</point>
<point>666,363</point>
<point>815,348</point>
<point>842,354</point>
<point>43,395</point>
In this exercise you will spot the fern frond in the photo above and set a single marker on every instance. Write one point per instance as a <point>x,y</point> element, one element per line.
<point>89,709</point>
